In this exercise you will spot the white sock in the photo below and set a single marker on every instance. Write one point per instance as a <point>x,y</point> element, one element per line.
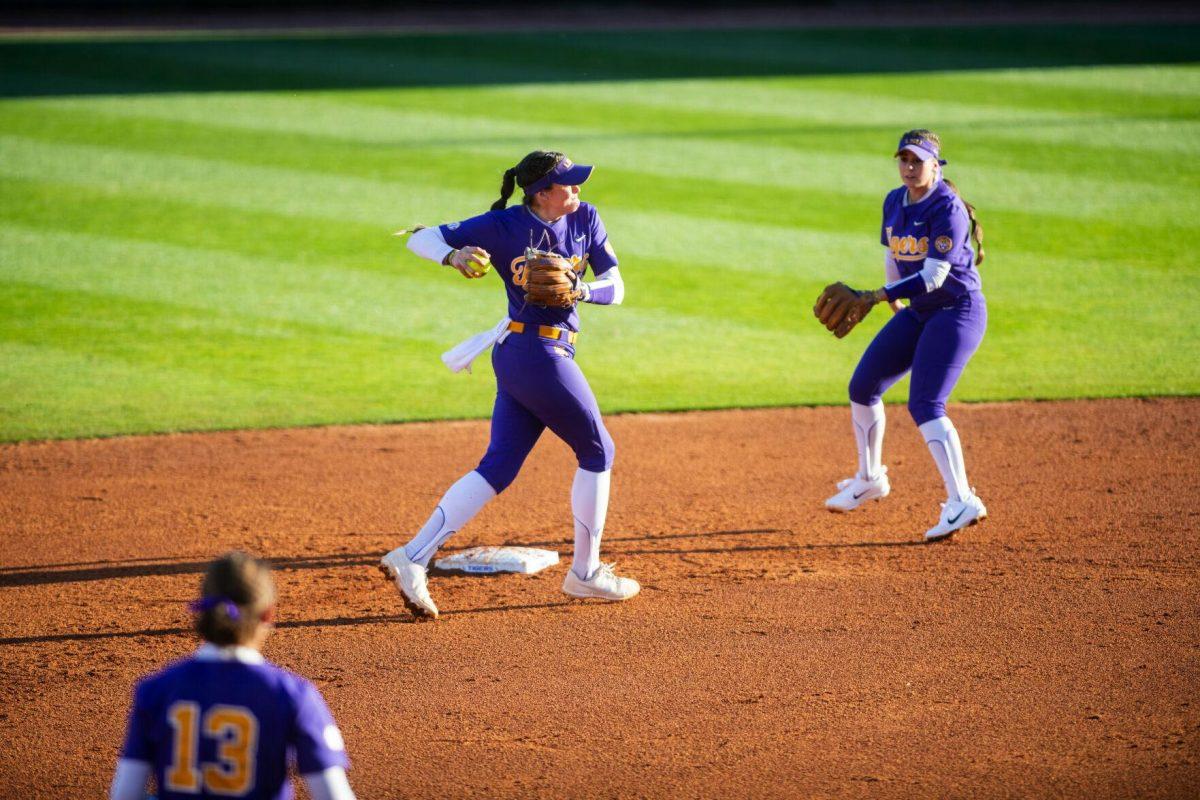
<point>946,448</point>
<point>457,507</point>
<point>869,422</point>
<point>589,504</point>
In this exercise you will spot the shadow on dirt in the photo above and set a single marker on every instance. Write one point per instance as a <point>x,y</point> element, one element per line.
<point>140,568</point>
<point>82,572</point>
<point>329,622</point>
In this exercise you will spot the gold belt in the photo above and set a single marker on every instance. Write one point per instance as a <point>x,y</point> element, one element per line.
<point>546,332</point>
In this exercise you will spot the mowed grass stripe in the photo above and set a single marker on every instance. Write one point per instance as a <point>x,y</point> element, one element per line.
<point>94,395</point>
<point>413,118</point>
<point>861,100</point>
<point>256,230</point>
<point>326,302</point>
<point>1181,79</point>
<point>813,224</point>
<point>1015,187</point>
<point>335,301</point>
<point>409,122</point>
<point>1152,142</point>
<point>309,192</point>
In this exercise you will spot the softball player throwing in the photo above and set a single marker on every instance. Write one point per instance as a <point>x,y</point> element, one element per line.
<point>933,244</point>
<point>538,383</point>
<point>224,722</point>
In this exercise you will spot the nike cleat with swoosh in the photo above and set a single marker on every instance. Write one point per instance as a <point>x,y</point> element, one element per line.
<point>604,584</point>
<point>411,580</point>
<point>956,515</point>
<point>853,492</point>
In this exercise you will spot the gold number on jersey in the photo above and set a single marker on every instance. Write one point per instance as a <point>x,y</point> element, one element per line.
<point>236,731</point>
<point>182,775</point>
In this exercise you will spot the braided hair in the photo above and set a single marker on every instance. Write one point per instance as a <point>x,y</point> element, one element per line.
<point>532,167</point>
<point>236,590</point>
<point>976,228</point>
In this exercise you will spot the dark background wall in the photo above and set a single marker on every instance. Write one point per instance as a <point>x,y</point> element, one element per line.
<point>28,15</point>
<point>39,8</point>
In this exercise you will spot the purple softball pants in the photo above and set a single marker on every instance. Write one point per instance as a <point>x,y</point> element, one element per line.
<point>539,386</point>
<point>936,345</point>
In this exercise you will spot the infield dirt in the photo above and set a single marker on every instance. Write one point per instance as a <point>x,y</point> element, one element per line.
<point>776,649</point>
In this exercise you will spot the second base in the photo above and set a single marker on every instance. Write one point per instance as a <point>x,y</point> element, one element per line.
<point>490,560</point>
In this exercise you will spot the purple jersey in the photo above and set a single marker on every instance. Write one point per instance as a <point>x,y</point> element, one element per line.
<point>215,726</point>
<point>936,227</point>
<point>579,236</point>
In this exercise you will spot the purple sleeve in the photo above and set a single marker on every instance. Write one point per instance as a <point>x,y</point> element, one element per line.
<point>478,231</point>
<point>315,736</point>
<point>138,746</point>
<point>601,255</point>
<point>908,288</point>
<point>948,230</point>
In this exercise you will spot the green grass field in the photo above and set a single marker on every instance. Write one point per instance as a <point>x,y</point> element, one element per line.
<point>176,254</point>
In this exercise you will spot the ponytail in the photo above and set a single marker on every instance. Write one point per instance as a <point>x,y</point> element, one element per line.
<point>531,168</point>
<point>236,591</point>
<point>976,228</point>
<point>506,189</point>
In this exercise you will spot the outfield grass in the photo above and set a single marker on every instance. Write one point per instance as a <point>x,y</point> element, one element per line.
<point>204,259</point>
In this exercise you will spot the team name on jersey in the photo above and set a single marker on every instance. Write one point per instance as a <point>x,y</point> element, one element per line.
<point>907,248</point>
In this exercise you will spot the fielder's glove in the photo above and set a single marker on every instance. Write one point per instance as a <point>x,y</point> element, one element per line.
<point>551,281</point>
<point>840,308</point>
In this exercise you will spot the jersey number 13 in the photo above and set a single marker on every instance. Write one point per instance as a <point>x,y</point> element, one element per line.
<point>236,731</point>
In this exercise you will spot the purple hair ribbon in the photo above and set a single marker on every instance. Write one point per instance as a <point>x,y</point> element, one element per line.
<point>209,603</point>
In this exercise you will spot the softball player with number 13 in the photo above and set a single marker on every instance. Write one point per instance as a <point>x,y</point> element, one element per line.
<point>225,722</point>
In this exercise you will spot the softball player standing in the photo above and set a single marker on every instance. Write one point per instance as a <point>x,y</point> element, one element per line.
<point>224,722</point>
<point>933,244</point>
<point>538,383</point>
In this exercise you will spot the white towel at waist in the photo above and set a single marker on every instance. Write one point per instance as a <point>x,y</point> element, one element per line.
<point>460,356</point>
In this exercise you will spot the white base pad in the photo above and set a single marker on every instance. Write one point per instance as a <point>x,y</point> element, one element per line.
<point>489,560</point>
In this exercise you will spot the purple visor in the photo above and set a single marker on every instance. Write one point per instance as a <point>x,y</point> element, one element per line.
<point>565,173</point>
<point>925,148</point>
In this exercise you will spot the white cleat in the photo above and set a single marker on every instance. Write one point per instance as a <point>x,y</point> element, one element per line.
<point>956,515</point>
<point>411,580</point>
<point>603,585</point>
<point>853,492</point>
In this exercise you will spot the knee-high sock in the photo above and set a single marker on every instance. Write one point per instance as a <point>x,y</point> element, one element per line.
<point>946,449</point>
<point>458,506</point>
<point>869,422</point>
<point>589,504</point>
